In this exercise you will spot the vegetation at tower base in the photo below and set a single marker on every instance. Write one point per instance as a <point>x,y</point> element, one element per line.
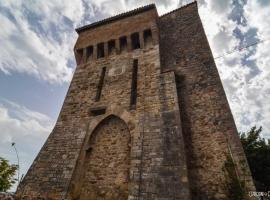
<point>7,172</point>
<point>258,155</point>
<point>236,188</point>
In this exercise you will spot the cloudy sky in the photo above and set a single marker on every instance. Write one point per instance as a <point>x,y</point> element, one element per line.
<point>37,62</point>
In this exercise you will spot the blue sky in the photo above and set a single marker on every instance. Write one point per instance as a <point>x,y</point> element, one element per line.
<point>37,62</point>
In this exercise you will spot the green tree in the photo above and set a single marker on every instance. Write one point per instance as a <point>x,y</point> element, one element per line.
<point>7,172</point>
<point>257,151</point>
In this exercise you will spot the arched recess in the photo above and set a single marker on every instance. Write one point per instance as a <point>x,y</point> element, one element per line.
<point>107,162</point>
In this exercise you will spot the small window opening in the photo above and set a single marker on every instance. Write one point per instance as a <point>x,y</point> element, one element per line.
<point>100,84</point>
<point>147,36</point>
<point>123,43</point>
<point>100,50</point>
<point>133,96</point>
<point>89,53</point>
<point>89,149</point>
<point>111,47</point>
<point>97,111</point>
<point>135,41</point>
<point>79,56</point>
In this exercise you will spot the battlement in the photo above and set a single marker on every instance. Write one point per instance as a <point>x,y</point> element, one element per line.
<point>103,50</point>
<point>135,29</point>
<point>117,17</point>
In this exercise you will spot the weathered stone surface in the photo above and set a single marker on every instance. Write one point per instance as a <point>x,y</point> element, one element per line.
<point>169,143</point>
<point>207,123</point>
<point>6,196</point>
<point>106,167</point>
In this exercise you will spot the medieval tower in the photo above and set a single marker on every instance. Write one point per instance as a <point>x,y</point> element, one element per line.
<point>145,116</point>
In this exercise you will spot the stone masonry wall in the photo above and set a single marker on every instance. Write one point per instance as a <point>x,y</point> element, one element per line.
<point>6,196</point>
<point>51,172</point>
<point>157,160</point>
<point>57,171</point>
<point>176,135</point>
<point>106,170</point>
<point>208,125</point>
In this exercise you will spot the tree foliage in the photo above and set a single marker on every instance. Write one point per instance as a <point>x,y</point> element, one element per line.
<point>257,151</point>
<point>7,172</point>
<point>234,186</point>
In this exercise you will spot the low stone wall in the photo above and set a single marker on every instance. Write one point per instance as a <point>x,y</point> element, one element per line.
<point>6,196</point>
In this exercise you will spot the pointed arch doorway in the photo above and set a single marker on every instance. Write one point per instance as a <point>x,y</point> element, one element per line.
<point>107,162</point>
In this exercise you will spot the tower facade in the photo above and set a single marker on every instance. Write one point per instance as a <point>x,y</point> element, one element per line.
<point>145,117</point>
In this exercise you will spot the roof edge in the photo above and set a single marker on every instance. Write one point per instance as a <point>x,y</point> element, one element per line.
<point>116,17</point>
<point>189,4</point>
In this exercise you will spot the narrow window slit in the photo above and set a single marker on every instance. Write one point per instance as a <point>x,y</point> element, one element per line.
<point>89,53</point>
<point>111,47</point>
<point>100,50</point>
<point>133,96</point>
<point>147,36</point>
<point>100,84</point>
<point>123,43</point>
<point>135,41</point>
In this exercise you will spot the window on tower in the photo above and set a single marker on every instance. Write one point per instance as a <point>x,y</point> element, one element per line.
<point>147,37</point>
<point>135,41</point>
<point>100,50</point>
<point>133,96</point>
<point>79,56</point>
<point>100,84</point>
<point>89,53</point>
<point>111,47</point>
<point>123,43</point>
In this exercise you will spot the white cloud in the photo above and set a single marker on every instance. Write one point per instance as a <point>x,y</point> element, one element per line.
<point>27,128</point>
<point>218,28</point>
<point>247,86</point>
<point>18,121</point>
<point>258,91</point>
<point>220,6</point>
<point>108,7</point>
<point>38,37</point>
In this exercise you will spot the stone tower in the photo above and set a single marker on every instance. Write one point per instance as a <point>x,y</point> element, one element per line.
<point>145,117</point>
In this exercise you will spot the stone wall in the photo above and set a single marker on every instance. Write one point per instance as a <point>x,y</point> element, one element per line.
<point>57,169</point>
<point>106,170</point>
<point>6,196</point>
<point>175,135</point>
<point>208,125</point>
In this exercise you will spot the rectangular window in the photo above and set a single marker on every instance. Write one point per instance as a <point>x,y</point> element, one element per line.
<point>100,50</point>
<point>133,96</point>
<point>89,53</point>
<point>123,43</point>
<point>111,47</point>
<point>97,111</point>
<point>135,41</point>
<point>100,84</point>
<point>79,56</point>
<point>147,36</point>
